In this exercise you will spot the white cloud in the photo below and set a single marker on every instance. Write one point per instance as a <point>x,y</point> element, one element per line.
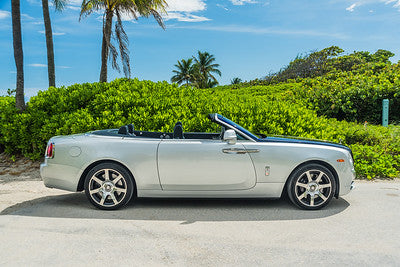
<point>4,14</point>
<point>74,7</point>
<point>124,17</point>
<point>242,2</point>
<point>393,3</point>
<point>35,2</point>
<point>187,17</point>
<point>351,8</point>
<point>37,65</point>
<point>222,6</point>
<point>54,33</point>
<point>257,30</point>
<point>74,4</point>
<point>396,3</point>
<point>182,10</point>
<point>186,5</point>
<point>26,16</point>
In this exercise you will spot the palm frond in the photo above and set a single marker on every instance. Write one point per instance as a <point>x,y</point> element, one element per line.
<point>60,4</point>
<point>205,67</point>
<point>123,42</point>
<point>89,6</point>
<point>113,56</point>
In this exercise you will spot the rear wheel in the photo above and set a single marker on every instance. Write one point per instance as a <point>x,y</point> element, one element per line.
<point>109,186</point>
<point>311,187</point>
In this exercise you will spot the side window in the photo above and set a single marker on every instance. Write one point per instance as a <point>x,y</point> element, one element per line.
<point>240,137</point>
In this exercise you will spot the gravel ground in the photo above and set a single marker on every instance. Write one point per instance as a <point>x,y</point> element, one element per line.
<point>21,169</point>
<point>41,226</point>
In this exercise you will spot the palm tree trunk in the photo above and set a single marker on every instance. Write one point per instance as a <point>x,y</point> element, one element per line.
<point>49,43</point>
<point>18,54</point>
<point>105,45</point>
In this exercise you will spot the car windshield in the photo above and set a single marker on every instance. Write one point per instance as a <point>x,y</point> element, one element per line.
<point>237,126</point>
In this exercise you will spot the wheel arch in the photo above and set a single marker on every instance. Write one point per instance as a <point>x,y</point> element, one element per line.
<point>81,183</point>
<point>323,163</point>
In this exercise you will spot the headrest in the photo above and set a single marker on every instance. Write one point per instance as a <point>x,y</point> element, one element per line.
<point>123,130</point>
<point>178,131</point>
<point>131,128</point>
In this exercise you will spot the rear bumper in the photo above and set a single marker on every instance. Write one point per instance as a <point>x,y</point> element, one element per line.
<point>60,176</point>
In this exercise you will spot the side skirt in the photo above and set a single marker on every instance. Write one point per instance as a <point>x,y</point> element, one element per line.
<point>262,190</point>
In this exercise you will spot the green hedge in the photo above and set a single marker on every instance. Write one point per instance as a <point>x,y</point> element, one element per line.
<point>274,110</point>
<point>354,96</point>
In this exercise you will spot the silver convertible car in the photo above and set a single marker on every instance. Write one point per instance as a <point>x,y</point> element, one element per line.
<point>115,165</point>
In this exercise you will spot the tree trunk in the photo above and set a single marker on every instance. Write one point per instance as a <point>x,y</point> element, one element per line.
<point>105,45</point>
<point>18,54</point>
<point>49,43</point>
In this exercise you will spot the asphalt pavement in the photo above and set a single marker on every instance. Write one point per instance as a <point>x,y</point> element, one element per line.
<point>40,226</point>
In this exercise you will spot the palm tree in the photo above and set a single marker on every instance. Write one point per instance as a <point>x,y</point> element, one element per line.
<point>18,54</point>
<point>134,8</point>
<point>205,66</point>
<point>236,80</point>
<point>211,83</point>
<point>184,72</point>
<point>59,5</point>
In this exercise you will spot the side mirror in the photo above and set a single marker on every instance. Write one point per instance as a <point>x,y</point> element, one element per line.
<point>230,137</point>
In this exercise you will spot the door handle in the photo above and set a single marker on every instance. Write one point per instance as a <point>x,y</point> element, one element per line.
<point>234,151</point>
<point>239,150</point>
<point>252,150</point>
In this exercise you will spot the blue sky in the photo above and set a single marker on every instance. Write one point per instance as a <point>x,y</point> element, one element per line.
<point>249,38</point>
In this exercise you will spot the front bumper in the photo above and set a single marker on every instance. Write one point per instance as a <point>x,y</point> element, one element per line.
<point>346,180</point>
<point>352,186</point>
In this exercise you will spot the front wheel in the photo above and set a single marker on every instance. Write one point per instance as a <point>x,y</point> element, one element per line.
<point>109,186</point>
<point>311,187</point>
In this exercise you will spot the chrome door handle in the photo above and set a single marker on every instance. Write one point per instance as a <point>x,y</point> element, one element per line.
<point>239,150</point>
<point>252,150</point>
<point>234,151</point>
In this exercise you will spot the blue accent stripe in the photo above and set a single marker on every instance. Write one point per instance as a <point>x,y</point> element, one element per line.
<point>302,141</point>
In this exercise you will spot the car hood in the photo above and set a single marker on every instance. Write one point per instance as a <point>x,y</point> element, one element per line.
<point>303,141</point>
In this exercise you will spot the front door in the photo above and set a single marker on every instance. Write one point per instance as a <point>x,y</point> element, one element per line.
<point>204,165</point>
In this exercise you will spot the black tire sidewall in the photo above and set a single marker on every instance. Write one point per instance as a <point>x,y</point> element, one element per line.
<point>129,183</point>
<point>292,184</point>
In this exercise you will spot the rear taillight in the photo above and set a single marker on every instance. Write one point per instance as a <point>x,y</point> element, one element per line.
<point>50,151</point>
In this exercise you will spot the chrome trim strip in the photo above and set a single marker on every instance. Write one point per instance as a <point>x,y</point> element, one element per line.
<point>352,186</point>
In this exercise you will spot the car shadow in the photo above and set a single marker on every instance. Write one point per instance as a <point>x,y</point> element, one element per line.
<point>76,205</point>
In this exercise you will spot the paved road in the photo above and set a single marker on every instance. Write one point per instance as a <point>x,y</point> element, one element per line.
<point>42,226</point>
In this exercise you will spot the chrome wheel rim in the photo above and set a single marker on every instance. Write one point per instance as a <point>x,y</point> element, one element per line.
<point>313,188</point>
<point>107,187</point>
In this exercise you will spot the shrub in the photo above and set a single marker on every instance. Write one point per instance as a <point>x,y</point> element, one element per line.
<point>274,110</point>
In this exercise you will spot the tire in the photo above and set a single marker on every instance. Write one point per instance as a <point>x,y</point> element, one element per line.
<point>311,187</point>
<point>109,186</point>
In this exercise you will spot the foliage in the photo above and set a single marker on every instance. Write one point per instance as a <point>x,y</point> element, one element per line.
<point>354,96</point>
<point>184,73</point>
<point>197,72</point>
<point>311,65</point>
<point>119,8</point>
<point>346,87</point>
<point>273,110</point>
<point>236,80</point>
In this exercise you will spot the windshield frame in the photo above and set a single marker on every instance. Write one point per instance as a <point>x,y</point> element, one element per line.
<point>234,126</point>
